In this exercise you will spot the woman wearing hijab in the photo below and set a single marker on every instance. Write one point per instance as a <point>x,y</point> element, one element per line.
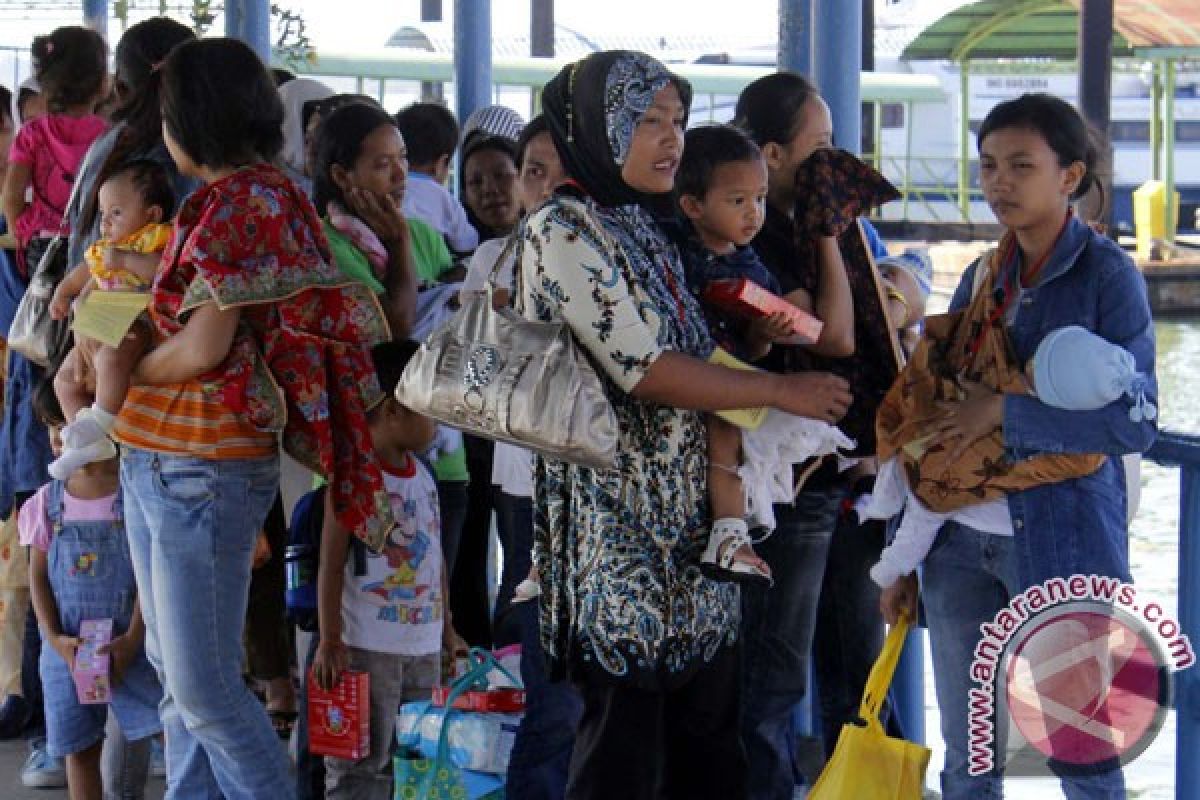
<point>626,613</point>
<point>300,97</point>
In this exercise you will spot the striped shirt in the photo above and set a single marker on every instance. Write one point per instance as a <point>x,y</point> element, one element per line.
<point>183,419</point>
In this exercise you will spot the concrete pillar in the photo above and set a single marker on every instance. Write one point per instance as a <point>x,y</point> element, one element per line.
<point>795,36</point>
<point>472,55</point>
<point>250,21</point>
<point>95,16</point>
<point>836,58</point>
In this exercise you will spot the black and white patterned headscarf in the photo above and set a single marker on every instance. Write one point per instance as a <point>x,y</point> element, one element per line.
<point>592,108</point>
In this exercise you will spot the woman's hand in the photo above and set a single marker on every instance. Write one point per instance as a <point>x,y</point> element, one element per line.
<point>899,599</point>
<point>382,215</point>
<point>330,662</point>
<point>60,303</point>
<point>818,395</point>
<point>977,414</point>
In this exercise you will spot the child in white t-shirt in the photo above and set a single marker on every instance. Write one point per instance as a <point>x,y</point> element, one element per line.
<point>389,619</point>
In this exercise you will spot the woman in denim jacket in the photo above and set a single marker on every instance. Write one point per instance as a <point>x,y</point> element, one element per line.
<point>1035,158</point>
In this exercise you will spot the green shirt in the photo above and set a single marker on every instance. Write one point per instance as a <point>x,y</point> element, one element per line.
<point>431,258</point>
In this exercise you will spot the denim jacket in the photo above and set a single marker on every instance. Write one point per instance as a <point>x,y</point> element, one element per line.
<point>1076,526</point>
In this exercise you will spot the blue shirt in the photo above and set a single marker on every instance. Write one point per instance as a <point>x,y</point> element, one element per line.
<point>1079,525</point>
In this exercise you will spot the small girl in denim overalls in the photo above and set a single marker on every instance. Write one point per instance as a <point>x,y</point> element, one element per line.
<point>80,569</point>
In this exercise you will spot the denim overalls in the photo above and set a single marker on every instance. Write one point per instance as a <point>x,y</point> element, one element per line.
<point>91,576</point>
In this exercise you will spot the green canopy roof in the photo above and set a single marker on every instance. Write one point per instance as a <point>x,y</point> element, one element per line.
<point>1050,29</point>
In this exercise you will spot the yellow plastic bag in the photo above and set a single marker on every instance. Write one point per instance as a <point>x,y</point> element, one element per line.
<point>867,764</point>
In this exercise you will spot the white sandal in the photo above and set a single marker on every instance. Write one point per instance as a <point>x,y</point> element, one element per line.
<point>719,561</point>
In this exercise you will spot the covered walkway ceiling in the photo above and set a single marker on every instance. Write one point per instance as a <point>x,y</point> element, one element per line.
<point>1050,29</point>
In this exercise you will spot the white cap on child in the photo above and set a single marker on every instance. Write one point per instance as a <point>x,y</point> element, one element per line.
<point>1077,370</point>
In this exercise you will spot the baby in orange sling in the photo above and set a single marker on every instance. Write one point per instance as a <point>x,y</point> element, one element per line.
<point>94,378</point>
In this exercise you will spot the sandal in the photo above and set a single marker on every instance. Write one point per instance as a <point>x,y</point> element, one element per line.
<point>283,722</point>
<point>725,558</point>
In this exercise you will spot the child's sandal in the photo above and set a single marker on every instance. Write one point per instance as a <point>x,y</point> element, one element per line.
<point>720,560</point>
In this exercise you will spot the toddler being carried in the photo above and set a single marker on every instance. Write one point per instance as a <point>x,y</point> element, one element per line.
<point>94,377</point>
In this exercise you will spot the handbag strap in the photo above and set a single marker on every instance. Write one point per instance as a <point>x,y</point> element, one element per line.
<point>481,663</point>
<point>881,673</point>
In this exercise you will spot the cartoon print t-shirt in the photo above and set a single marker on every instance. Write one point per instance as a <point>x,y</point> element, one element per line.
<point>396,607</point>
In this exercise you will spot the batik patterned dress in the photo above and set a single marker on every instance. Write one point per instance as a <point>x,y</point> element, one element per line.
<point>618,550</point>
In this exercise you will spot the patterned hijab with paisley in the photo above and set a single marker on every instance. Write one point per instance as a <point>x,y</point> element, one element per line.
<point>593,106</point>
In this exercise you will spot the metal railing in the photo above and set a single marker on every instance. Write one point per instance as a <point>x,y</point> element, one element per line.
<point>1170,450</point>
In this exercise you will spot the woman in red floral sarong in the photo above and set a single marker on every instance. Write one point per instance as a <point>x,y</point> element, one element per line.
<point>257,334</point>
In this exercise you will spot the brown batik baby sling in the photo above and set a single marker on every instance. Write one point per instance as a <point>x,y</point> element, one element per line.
<point>971,345</point>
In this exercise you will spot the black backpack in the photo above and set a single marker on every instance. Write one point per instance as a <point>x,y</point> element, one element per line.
<point>303,557</point>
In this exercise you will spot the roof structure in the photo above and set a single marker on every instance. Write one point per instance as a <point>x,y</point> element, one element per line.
<point>1015,29</point>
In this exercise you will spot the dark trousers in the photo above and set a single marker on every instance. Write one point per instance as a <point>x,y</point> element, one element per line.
<point>267,637</point>
<point>469,601</point>
<point>667,745</point>
<point>777,628</point>
<point>514,526</point>
<point>850,628</point>
<point>452,506</point>
<point>541,753</point>
<point>310,769</point>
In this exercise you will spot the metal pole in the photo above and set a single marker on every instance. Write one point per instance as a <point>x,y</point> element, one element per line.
<point>964,139</point>
<point>1169,147</point>
<point>250,21</point>
<point>837,50</point>
<point>1156,126</point>
<point>95,16</point>
<point>541,28</point>
<point>1187,681</point>
<point>472,55</point>
<point>1095,77</point>
<point>795,36</point>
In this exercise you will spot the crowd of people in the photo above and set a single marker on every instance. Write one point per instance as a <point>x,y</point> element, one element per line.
<point>293,246</point>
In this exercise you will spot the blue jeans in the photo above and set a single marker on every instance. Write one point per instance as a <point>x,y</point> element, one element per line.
<point>192,524</point>
<point>968,577</point>
<point>777,626</point>
<point>850,628</point>
<point>541,753</point>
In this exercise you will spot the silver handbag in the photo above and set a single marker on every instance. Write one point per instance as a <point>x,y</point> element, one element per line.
<point>495,374</point>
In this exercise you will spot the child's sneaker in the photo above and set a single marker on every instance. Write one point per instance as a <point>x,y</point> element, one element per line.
<point>730,554</point>
<point>158,759</point>
<point>73,458</point>
<point>43,771</point>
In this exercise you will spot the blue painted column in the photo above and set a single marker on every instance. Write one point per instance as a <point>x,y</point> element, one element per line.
<point>95,16</point>
<point>795,36</point>
<point>1187,682</point>
<point>472,55</point>
<point>837,61</point>
<point>250,21</point>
